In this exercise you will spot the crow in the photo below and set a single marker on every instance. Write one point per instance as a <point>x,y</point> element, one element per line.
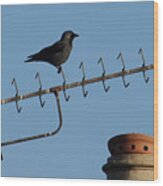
<point>57,53</point>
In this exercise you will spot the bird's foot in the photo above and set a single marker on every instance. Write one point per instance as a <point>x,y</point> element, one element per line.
<point>59,69</point>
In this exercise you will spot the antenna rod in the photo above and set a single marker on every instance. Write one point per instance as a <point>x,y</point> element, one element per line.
<point>77,84</point>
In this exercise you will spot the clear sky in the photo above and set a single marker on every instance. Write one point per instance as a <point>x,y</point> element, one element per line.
<point>80,149</point>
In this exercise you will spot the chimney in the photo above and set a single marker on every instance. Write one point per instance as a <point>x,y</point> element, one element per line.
<point>132,158</point>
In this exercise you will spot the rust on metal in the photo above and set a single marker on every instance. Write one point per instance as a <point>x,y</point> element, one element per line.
<point>47,134</point>
<point>77,84</point>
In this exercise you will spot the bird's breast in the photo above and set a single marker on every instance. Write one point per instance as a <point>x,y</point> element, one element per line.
<point>61,57</point>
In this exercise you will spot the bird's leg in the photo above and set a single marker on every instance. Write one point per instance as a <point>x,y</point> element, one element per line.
<point>59,69</point>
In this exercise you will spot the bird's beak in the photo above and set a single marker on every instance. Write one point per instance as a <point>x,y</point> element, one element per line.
<point>75,35</point>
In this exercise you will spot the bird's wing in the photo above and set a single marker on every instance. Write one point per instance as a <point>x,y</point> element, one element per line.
<point>46,53</point>
<point>58,46</point>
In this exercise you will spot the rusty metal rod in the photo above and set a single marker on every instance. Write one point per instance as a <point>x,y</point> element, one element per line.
<point>77,84</point>
<point>51,133</point>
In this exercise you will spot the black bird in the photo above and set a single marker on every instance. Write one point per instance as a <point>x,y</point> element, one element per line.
<point>56,54</point>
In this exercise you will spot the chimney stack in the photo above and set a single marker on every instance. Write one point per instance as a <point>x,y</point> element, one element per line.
<point>132,158</point>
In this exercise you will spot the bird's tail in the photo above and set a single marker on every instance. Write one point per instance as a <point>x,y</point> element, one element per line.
<point>31,58</point>
<point>28,60</point>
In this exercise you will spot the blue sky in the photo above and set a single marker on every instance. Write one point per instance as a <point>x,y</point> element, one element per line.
<point>80,149</point>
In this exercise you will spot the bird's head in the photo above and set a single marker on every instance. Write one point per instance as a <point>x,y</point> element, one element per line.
<point>69,36</point>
